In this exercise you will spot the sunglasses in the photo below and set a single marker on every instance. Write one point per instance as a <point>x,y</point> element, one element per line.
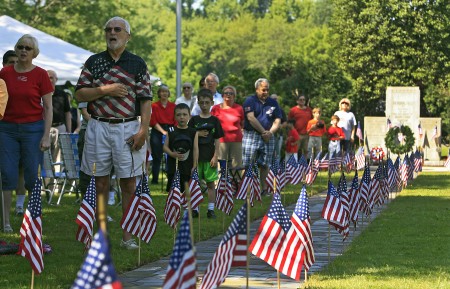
<point>301,99</point>
<point>116,29</point>
<point>228,93</point>
<point>344,103</point>
<point>27,48</point>
<point>186,87</point>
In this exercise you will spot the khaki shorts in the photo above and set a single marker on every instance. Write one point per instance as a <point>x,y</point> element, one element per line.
<point>105,145</point>
<point>231,151</point>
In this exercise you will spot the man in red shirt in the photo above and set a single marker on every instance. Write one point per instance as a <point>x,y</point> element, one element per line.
<point>301,113</point>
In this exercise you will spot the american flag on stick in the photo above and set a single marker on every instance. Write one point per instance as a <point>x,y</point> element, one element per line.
<point>172,210</point>
<point>98,270</point>
<point>86,215</point>
<point>447,162</point>
<point>224,192</point>
<point>313,171</point>
<point>181,269</point>
<point>293,170</point>
<point>332,210</point>
<point>359,132</point>
<point>360,158</point>
<point>417,161</point>
<point>232,252</point>
<point>272,180</point>
<point>301,222</point>
<point>277,243</point>
<point>302,166</point>
<point>282,176</point>
<point>354,199</point>
<point>31,246</point>
<point>196,191</point>
<point>140,216</point>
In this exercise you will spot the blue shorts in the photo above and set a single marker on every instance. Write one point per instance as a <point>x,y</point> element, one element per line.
<point>20,143</point>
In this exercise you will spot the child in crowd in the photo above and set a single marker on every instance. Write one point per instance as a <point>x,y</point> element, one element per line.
<point>181,143</point>
<point>335,135</point>
<point>292,140</point>
<point>315,129</point>
<point>209,133</point>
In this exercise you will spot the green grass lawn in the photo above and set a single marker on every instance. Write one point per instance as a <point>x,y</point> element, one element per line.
<point>59,228</point>
<point>407,246</point>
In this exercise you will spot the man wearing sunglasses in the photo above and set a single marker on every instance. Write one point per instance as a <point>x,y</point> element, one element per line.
<point>116,85</point>
<point>347,122</point>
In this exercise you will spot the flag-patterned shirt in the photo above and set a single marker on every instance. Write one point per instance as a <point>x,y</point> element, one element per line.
<point>130,70</point>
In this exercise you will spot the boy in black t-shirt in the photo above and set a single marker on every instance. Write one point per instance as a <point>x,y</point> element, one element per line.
<point>209,132</point>
<point>181,143</point>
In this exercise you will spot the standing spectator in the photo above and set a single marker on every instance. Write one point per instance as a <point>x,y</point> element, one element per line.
<point>25,128</point>
<point>10,58</point>
<point>182,144</point>
<point>62,118</point>
<point>279,134</point>
<point>231,117</point>
<point>211,83</point>
<point>316,129</point>
<point>301,113</point>
<point>292,140</point>
<point>162,119</point>
<point>74,112</point>
<point>262,120</point>
<point>335,135</point>
<point>187,96</point>
<point>209,132</point>
<point>347,122</point>
<point>116,85</point>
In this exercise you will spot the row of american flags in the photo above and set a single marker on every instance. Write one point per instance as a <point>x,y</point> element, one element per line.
<point>289,240</point>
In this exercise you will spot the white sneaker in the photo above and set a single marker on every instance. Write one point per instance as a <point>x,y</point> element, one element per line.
<point>112,198</point>
<point>129,245</point>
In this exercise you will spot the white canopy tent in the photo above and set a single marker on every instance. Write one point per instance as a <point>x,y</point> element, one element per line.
<point>64,58</point>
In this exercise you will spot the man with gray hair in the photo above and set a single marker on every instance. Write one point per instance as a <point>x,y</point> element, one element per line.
<point>116,85</point>
<point>262,120</point>
<point>211,83</point>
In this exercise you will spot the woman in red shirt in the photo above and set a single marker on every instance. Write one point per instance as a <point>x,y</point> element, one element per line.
<point>231,116</point>
<point>25,128</point>
<point>162,118</point>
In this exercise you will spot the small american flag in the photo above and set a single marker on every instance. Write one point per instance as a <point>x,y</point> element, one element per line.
<point>417,161</point>
<point>86,214</point>
<point>364,191</point>
<point>181,269</point>
<point>404,171</point>
<point>277,243</point>
<point>31,231</point>
<point>360,158</point>
<point>232,252</point>
<point>447,162</point>
<point>354,199</point>
<point>332,208</point>
<point>272,180</point>
<point>172,210</point>
<point>97,270</point>
<point>313,171</point>
<point>420,131</point>
<point>325,162</point>
<point>359,132</point>
<point>344,198</point>
<point>434,133</point>
<point>302,166</point>
<point>388,124</point>
<point>282,176</point>
<point>246,181</point>
<point>293,171</point>
<point>140,216</point>
<point>224,192</point>
<point>374,191</point>
<point>301,222</point>
<point>196,191</point>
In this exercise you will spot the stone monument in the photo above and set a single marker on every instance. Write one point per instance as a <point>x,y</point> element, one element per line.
<point>403,108</point>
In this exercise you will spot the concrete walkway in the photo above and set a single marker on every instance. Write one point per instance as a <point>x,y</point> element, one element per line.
<point>261,275</point>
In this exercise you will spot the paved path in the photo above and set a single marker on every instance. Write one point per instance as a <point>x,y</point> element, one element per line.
<point>261,275</point>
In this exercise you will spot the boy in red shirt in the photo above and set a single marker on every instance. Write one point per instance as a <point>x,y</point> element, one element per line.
<point>292,141</point>
<point>335,134</point>
<point>315,129</point>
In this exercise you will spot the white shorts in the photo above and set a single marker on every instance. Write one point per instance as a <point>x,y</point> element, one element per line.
<point>105,145</point>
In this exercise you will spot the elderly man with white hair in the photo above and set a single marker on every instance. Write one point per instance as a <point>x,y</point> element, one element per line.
<point>116,85</point>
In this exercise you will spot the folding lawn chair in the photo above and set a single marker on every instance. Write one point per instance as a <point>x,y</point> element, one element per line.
<point>69,156</point>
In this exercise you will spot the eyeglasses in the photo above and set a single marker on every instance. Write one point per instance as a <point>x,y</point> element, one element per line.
<point>186,87</point>
<point>228,93</point>
<point>27,48</point>
<point>116,29</point>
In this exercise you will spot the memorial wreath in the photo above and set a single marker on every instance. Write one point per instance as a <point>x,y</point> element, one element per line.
<point>400,140</point>
<point>377,153</point>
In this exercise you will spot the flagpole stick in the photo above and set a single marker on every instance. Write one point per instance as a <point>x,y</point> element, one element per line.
<point>101,207</point>
<point>175,229</point>
<point>187,193</point>
<point>247,269</point>
<point>329,243</point>
<point>32,279</point>
<point>140,216</point>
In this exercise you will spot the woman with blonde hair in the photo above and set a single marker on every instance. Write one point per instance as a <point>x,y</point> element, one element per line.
<point>25,127</point>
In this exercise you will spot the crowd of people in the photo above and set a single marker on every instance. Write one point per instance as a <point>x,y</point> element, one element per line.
<point>121,126</point>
